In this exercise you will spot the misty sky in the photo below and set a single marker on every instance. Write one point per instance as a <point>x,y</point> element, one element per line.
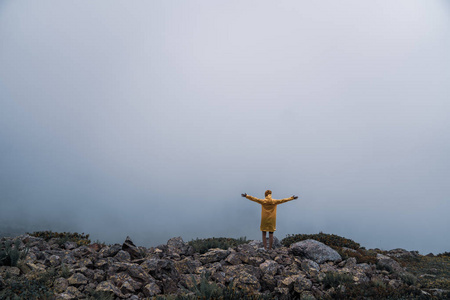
<point>150,118</point>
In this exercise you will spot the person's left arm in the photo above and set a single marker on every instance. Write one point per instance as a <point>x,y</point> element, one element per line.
<point>279,201</point>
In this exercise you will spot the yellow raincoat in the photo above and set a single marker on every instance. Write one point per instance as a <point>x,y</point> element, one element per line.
<point>268,211</point>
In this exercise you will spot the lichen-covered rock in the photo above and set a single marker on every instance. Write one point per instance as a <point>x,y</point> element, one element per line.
<point>387,263</point>
<point>70,245</point>
<point>70,293</point>
<point>315,251</point>
<point>69,259</point>
<point>151,289</point>
<point>130,247</point>
<point>269,267</point>
<point>84,263</point>
<point>244,277</point>
<point>77,279</point>
<point>108,287</point>
<point>302,284</point>
<point>234,258</point>
<point>310,267</point>
<point>187,265</point>
<point>176,245</point>
<point>288,282</point>
<point>60,285</point>
<point>123,256</point>
<point>190,280</point>
<point>82,251</point>
<point>160,268</point>
<point>110,251</point>
<point>120,279</point>
<point>10,271</point>
<point>53,261</point>
<point>213,255</point>
<point>402,253</point>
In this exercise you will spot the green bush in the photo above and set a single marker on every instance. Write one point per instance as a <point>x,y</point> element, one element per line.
<point>203,245</point>
<point>333,279</point>
<point>361,255</point>
<point>375,290</point>
<point>62,237</point>
<point>331,240</point>
<point>210,290</point>
<point>10,253</point>
<point>408,278</point>
<point>22,287</point>
<point>446,254</point>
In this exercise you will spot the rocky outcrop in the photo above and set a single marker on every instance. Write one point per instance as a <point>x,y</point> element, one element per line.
<point>130,272</point>
<point>315,251</point>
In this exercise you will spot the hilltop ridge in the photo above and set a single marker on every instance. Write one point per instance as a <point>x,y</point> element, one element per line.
<point>69,266</point>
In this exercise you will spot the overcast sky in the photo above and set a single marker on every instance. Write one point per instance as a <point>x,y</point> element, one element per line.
<point>150,118</point>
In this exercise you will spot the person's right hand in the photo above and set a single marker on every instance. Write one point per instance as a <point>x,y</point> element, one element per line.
<point>244,195</point>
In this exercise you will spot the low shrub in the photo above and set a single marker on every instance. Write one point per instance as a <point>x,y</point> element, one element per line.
<point>331,240</point>
<point>444,254</point>
<point>203,245</point>
<point>62,237</point>
<point>408,278</point>
<point>361,255</point>
<point>10,253</point>
<point>375,290</point>
<point>38,287</point>
<point>334,279</point>
<point>210,290</point>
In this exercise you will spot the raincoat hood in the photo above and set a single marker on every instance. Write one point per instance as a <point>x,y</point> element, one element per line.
<point>269,199</point>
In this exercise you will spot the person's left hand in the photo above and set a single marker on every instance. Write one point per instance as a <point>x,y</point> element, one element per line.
<point>244,195</point>
<point>295,197</point>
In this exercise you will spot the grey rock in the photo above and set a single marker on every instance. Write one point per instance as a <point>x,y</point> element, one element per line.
<point>123,256</point>
<point>187,265</point>
<point>77,279</point>
<point>269,267</point>
<point>302,284</point>
<point>213,255</point>
<point>131,248</point>
<point>315,251</point>
<point>70,245</point>
<point>11,271</point>
<point>108,287</point>
<point>151,289</point>
<point>234,258</point>
<point>60,285</point>
<point>387,263</point>
<point>310,267</point>
<point>178,246</point>
<point>402,253</point>
<point>110,251</point>
<point>53,260</point>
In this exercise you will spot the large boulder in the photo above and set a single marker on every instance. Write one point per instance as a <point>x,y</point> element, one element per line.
<point>213,255</point>
<point>402,253</point>
<point>131,248</point>
<point>387,263</point>
<point>315,251</point>
<point>269,267</point>
<point>176,245</point>
<point>77,279</point>
<point>109,287</point>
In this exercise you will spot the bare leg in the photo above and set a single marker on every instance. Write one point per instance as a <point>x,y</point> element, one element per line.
<point>270,240</point>
<point>264,239</point>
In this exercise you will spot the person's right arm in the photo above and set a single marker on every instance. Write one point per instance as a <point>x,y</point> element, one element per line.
<point>257,200</point>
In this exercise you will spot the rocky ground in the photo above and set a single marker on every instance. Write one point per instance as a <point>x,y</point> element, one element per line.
<point>306,270</point>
